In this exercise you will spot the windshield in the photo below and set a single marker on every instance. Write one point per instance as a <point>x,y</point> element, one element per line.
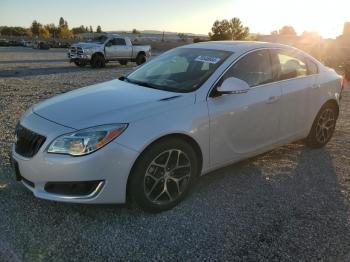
<point>99,40</point>
<point>179,70</point>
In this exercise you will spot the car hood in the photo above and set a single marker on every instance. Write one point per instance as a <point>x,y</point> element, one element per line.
<point>109,102</point>
<point>87,45</point>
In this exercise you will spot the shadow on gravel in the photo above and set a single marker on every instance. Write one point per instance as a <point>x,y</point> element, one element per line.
<point>285,205</point>
<point>41,71</point>
<point>32,61</point>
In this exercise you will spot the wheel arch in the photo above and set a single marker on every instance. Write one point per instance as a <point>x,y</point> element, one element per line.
<point>98,53</point>
<point>182,136</point>
<point>334,103</point>
<point>141,53</point>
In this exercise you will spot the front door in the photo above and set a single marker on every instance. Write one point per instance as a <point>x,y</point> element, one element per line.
<point>242,124</point>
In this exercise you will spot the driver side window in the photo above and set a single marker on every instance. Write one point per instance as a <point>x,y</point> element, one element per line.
<point>255,69</point>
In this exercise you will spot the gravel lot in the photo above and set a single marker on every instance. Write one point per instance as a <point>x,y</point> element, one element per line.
<point>286,205</point>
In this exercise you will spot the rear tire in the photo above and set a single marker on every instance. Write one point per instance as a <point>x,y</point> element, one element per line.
<point>98,61</point>
<point>140,59</point>
<point>163,175</point>
<point>323,126</point>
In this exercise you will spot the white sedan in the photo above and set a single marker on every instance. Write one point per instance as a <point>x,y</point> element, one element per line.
<point>147,136</point>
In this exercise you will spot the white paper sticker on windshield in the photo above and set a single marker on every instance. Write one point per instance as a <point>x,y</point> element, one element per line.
<point>207,59</point>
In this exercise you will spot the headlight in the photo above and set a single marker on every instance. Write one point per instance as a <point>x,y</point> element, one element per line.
<point>86,141</point>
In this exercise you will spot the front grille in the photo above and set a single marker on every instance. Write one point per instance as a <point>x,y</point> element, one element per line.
<point>28,142</point>
<point>80,51</point>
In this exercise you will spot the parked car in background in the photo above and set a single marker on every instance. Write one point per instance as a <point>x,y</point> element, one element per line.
<point>189,111</point>
<point>4,42</point>
<point>41,45</point>
<point>28,44</point>
<point>107,48</point>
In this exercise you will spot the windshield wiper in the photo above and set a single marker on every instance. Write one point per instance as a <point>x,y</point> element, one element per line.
<point>140,83</point>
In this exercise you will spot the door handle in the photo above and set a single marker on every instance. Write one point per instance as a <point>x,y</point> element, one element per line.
<point>272,99</point>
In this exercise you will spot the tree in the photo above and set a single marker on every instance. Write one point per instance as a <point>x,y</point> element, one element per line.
<point>53,30</point>
<point>228,30</point>
<point>61,22</point>
<point>79,30</point>
<point>287,30</point>
<point>99,29</point>
<point>134,31</point>
<point>275,32</point>
<point>13,31</point>
<point>35,28</point>
<point>65,33</point>
<point>237,30</point>
<point>44,33</point>
<point>182,36</point>
<point>91,30</point>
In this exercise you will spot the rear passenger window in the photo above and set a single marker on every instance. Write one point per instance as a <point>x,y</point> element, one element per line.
<point>312,68</point>
<point>291,66</point>
<point>254,68</point>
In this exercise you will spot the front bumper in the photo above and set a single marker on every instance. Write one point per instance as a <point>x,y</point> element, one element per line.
<point>110,166</point>
<point>79,57</point>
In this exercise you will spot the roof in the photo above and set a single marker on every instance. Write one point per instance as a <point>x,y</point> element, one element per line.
<point>236,46</point>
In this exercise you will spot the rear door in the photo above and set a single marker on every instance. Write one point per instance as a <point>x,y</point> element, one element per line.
<point>298,83</point>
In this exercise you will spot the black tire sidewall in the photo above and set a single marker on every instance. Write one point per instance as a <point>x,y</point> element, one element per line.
<point>137,193</point>
<point>311,140</point>
<point>140,59</point>
<point>98,61</point>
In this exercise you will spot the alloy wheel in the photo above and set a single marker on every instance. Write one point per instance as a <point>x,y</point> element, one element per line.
<point>325,126</point>
<point>167,177</point>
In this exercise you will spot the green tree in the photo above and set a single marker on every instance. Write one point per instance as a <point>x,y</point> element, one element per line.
<point>91,30</point>
<point>79,30</point>
<point>61,22</point>
<point>13,31</point>
<point>237,30</point>
<point>287,30</point>
<point>35,28</point>
<point>228,30</point>
<point>99,29</point>
<point>134,31</point>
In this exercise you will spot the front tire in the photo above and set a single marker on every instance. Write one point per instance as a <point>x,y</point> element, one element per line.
<point>323,127</point>
<point>80,63</point>
<point>140,59</point>
<point>98,61</point>
<point>163,175</point>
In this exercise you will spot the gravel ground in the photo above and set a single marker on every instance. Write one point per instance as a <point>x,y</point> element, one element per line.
<point>291,204</point>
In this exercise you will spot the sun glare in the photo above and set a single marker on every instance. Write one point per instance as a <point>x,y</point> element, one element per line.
<point>323,16</point>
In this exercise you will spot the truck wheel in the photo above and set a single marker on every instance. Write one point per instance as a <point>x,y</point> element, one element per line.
<point>123,62</point>
<point>80,63</point>
<point>98,61</point>
<point>140,59</point>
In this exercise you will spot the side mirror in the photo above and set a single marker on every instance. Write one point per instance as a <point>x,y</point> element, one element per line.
<point>233,85</point>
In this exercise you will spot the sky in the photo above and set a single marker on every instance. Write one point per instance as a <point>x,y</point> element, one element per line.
<point>191,16</point>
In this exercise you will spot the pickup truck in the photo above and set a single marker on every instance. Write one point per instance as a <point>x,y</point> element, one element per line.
<point>106,48</point>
